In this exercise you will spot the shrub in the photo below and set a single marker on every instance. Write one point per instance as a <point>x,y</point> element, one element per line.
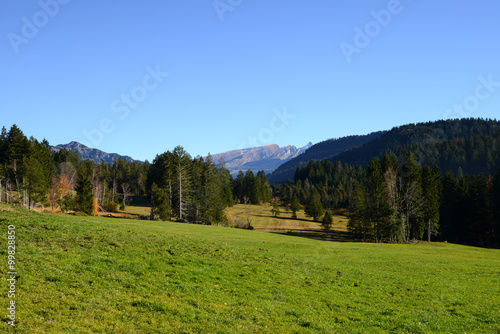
<point>111,207</point>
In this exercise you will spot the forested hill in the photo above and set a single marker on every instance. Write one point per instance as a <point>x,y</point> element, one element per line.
<point>468,146</point>
<point>323,150</point>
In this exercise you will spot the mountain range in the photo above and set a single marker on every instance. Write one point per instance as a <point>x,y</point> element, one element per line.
<point>93,154</point>
<point>470,145</point>
<point>266,158</point>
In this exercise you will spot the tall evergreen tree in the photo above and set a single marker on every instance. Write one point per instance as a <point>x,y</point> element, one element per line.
<point>358,222</point>
<point>410,194</point>
<point>496,208</point>
<point>252,187</point>
<point>182,163</point>
<point>431,199</point>
<point>264,187</point>
<point>215,191</point>
<point>17,151</point>
<point>376,206</point>
<point>314,208</point>
<point>239,187</point>
<point>160,203</point>
<point>84,194</point>
<point>294,206</point>
<point>327,221</point>
<point>448,210</point>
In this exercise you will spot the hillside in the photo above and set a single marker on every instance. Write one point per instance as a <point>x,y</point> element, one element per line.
<point>323,150</point>
<point>98,275</point>
<point>266,158</point>
<point>91,153</point>
<point>471,144</point>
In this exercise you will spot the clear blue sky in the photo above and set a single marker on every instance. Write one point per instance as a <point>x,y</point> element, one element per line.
<point>73,67</point>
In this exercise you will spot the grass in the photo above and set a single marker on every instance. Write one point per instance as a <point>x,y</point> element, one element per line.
<point>99,275</point>
<point>263,220</point>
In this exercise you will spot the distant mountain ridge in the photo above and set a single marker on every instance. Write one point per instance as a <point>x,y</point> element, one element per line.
<point>266,158</point>
<point>91,153</point>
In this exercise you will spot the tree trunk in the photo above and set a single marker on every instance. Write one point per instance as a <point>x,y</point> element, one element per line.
<point>170,198</point>
<point>429,231</point>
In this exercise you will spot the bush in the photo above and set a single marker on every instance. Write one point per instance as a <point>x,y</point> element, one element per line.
<point>111,207</point>
<point>240,223</point>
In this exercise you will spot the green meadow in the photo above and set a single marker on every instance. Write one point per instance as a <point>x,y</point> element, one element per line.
<point>109,275</point>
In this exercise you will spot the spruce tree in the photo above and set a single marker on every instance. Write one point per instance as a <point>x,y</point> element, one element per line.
<point>377,210</point>
<point>314,208</point>
<point>252,189</point>
<point>182,164</point>
<point>410,195</point>
<point>160,203</point>
<point>84,194</point>
<point>496,208</point>
<point>431,199</point>
<point>295,206</point>
<point>358,222</point>
<point>276,208</point>
<point>327,221</point>
<point>17,151</point>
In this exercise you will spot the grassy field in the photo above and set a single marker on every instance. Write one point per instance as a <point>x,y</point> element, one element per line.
<point>263,220</point>
<point>103,275</point>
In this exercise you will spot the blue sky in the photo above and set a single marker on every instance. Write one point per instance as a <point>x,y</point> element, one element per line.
<point>139,78</point>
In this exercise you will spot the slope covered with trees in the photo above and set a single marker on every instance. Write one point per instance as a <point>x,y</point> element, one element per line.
<point>443,189</point>
<point>469,144</point>
<point>323,150</point>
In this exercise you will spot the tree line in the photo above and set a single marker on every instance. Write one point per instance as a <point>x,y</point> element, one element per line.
<point>400,200</point>
<point>176,186</point>
<point>31,173</point>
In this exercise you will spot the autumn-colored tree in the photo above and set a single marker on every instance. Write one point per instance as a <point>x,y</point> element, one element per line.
<point>95,207</point>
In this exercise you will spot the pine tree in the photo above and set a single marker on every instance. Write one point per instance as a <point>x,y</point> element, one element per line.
<point>448,213</point>
<point>276,208</point>
<point>496,208</point>
<point>215,193</point>
<point>431,199</point>
<point>160,203</point>
<point>294,206</point>
<point>182,163</point>
<point>84,194</point>
<point>17,151</point>
<point>327,221</point>
<point>358,222</point>
<point>410,195</point>
<point>314,208</point>
<point>377,210</point>
<point>252,189</point>
<point>239,187</point>
<point>264,186</point>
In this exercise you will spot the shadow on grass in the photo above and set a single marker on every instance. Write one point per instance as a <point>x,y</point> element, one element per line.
<point>285,218</point>
<point>332,235</point>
